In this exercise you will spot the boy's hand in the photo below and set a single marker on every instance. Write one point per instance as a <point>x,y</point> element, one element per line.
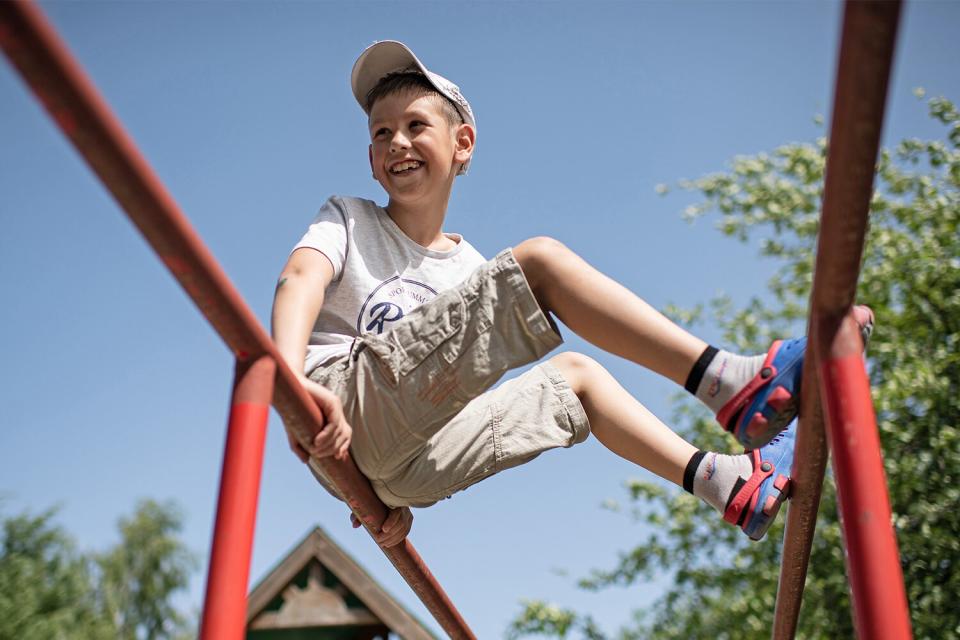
<point>297,449</point>
<point>334,438</point>
<point>395,528</point>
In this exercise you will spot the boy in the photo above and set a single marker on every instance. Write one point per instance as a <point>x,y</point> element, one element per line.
<point>401,329</point>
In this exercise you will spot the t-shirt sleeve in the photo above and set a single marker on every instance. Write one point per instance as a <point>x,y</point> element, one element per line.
<point>328,235</point>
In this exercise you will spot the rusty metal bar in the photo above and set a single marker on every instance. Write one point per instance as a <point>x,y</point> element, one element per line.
<point>866,54</point>
<point>44,62</point>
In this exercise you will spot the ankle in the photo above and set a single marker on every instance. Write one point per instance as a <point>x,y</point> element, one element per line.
<point>715,477</point>
<point>699,369</point>
<point>719,375</point>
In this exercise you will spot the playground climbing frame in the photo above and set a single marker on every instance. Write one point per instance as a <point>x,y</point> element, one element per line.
<point>834,373</point>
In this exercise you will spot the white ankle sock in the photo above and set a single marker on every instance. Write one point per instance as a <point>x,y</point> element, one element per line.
<point>715,476</point>
<point>726,374</point>
<point>718,375</point>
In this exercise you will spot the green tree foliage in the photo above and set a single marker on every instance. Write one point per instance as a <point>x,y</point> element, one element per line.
<point>46,591</point>
<point>139,576</point>
<point>49,591</point>
<point>725,587</point>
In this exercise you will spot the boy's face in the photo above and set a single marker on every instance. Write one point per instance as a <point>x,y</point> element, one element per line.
<point>414,152</point>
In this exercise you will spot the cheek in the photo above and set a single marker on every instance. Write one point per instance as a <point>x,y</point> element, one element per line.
<point>435,144</point>
<point>377,156</point>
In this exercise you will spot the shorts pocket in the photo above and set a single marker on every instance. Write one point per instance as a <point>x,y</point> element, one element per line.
<point>429,329</point>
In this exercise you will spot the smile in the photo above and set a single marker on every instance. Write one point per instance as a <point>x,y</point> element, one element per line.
<point>405,167</point>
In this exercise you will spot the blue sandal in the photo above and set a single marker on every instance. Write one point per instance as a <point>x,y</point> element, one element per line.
<point>754,503</point>
<point>770,400</point>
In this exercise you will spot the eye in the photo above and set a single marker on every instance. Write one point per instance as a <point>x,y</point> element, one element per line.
<point>417,123</point>
<point>380,132</point>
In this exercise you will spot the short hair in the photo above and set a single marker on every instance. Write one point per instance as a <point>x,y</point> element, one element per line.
<point>412,81</point>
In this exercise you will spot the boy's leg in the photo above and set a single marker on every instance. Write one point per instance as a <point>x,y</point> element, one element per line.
<point>747,489</point>
<point>753,396</point>
<point>621,423</point>
<point>605,312</point>
<point>557,404</point>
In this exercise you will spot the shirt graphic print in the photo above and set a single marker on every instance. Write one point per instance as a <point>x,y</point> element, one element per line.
<point>390,302</point>
<point>379,274</point>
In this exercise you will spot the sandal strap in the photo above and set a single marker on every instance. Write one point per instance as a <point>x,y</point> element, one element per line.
<point>747,496</point>
<point>730,410</point>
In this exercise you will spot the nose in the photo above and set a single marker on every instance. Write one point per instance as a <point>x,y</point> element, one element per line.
<point>399,142</point>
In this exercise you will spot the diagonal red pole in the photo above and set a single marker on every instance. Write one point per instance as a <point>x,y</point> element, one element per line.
<point>834,366</point>
<point>41,57</point>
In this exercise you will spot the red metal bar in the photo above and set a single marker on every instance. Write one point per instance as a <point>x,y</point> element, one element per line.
<point>873,561</point>
<point>866,55</point>
<point>225,604</point>
<point>37,52</point>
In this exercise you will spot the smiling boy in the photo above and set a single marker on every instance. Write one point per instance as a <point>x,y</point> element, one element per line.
<point>399,330</point>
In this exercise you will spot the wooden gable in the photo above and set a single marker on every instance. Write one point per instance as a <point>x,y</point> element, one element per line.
<point>319,592</point>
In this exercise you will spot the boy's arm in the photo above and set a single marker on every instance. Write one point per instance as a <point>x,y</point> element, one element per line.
<point>296,304</point>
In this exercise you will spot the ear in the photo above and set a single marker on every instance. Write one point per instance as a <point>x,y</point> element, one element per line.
<point>465,138</point>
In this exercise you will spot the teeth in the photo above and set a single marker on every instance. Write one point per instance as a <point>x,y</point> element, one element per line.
<point>403,166</point>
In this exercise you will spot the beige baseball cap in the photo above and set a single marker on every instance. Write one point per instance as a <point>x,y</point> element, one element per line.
<point>389,56</point>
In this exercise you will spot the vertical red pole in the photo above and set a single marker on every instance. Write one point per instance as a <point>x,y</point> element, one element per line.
<point>225,604</point>
<point>873,560</point>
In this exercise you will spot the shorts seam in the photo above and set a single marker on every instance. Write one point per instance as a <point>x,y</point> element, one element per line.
<point>576,415</point>
<point>496,420</point>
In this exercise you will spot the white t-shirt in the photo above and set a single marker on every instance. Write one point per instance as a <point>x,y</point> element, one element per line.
<point>379,276</point>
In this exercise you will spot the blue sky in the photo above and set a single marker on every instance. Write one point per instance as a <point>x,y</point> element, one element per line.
<point>115,388</point>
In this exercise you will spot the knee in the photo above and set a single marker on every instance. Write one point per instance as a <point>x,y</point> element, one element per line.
<point>535,256</point>
<point>579,370</point>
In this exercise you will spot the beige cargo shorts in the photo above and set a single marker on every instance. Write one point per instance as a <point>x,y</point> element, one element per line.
<point>425,422</point>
